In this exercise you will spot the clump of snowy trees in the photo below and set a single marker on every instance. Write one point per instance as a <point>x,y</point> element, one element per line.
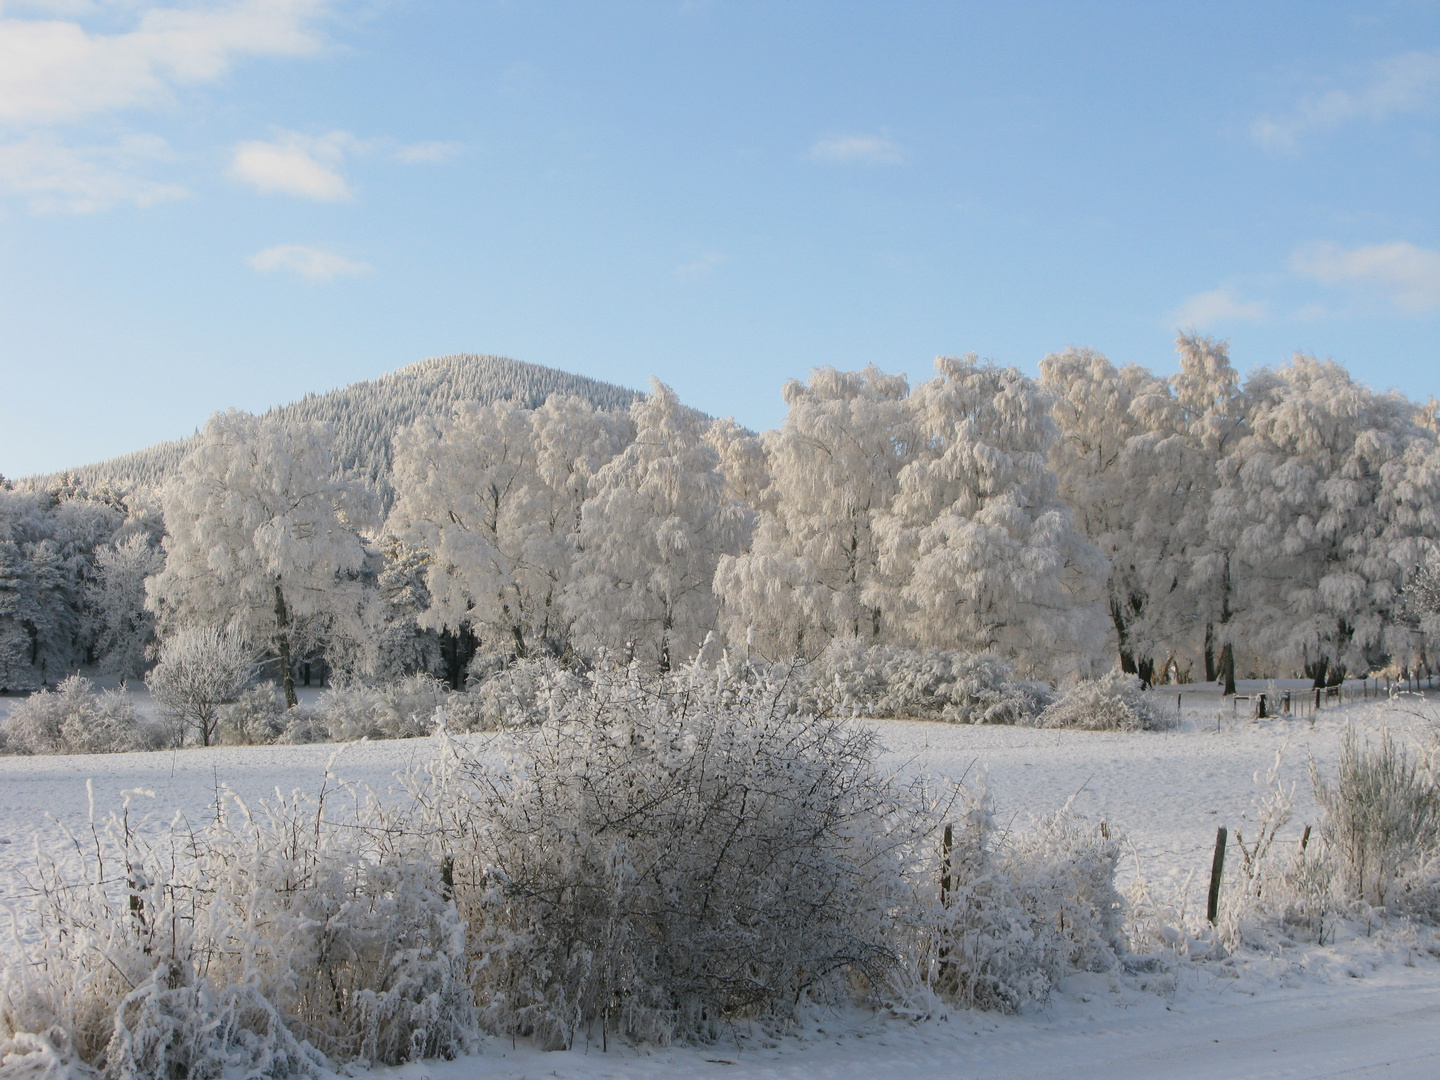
<point>1196,525</point>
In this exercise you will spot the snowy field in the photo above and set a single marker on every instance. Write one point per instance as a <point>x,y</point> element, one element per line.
<point>1367,1006</point>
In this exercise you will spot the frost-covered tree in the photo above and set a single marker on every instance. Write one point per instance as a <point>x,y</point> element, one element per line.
<point>1421,600</point>
<point>1207,387</point>
<point>116,599</point>
<point>833,464</point>
<point>201,668</point>
<point>980,553</point>
<point>404,646</point>
<point>742,462</point>
<point>1140,490</point>
<point>1326,503</point>
<point>655,525</point>
<point>492,497</point>
<point>262,538</point>
<point>48,541</point>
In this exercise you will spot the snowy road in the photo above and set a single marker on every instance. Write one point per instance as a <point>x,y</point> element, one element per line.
<point>1385,1026</point>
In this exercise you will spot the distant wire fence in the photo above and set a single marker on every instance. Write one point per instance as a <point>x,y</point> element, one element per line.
<point>1307,701</point>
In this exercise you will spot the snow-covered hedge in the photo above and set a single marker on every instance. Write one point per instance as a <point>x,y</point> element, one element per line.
<point>275,942</point>
<point>1113,702</point>
<point>76,719</point>
<point>883,680</point>
<point>258,717</point>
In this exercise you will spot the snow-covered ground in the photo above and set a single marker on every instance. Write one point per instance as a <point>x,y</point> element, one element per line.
<point>1368,1006</point>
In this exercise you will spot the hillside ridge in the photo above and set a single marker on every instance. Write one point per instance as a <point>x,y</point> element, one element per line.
<point>365,416</point>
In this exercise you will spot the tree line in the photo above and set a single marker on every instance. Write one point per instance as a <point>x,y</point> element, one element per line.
<point>1177,526</point>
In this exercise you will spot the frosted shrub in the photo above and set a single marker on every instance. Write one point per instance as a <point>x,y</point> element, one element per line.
<point>257,717</point>
<point>347,713</point>
<point>522,692</point>
<point>1279,887</point>
<point>403,709</point>
<point>1382,822</point>
<point>657,858</point>
<point>1114,702</point>
<point>75,719</point>
<point>883,680</point>
<point>409,705</point>
<point>303,725</point>
<point>1015,916</point>
<point>200,669</point>
<point>261,946</point>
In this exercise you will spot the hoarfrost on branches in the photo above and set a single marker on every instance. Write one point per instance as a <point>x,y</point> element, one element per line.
<point>261,538</point>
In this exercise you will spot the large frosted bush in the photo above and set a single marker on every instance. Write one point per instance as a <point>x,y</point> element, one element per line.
<point>1113,702</point>
<point>883,680</point>
<point>272,943</point>
<point>661,857</point>
<point>76,719</point>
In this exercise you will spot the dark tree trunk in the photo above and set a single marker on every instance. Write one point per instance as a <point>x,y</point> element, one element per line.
<point>1117,616</point>
<point>282,638</point>
<point>1227,666</point>
<point>1227,651</point>
<point>457,649</point>
<point>1211,673</point>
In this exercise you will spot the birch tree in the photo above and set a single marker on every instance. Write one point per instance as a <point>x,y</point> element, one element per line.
<point>261,538</point>
<point>116,599</point>
<point>492,497</point>
<point>1140,491</point>
<point>1327,503</point>
<point>655,526</point>
<point>833,464</point>
<point>980,553</point>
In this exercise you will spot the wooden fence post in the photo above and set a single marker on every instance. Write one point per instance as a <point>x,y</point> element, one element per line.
<point>946,846</point>
<point>1217,871</point>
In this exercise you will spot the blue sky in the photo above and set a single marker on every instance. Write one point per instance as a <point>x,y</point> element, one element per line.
<point>206,205</point>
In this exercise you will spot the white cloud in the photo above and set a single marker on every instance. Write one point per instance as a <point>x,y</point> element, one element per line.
<point>1409,82</point>
<point>296,164</point>
<point>1408,275</point>
<point>864,149</point>
<point>308,262</point>
<point>55,70</point>
<point>84,179</point>
<point>426,153</point>
<point>700,268</point>
<point>1206,309</point>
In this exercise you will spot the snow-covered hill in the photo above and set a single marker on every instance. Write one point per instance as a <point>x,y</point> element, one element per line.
<point>366,415</point>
